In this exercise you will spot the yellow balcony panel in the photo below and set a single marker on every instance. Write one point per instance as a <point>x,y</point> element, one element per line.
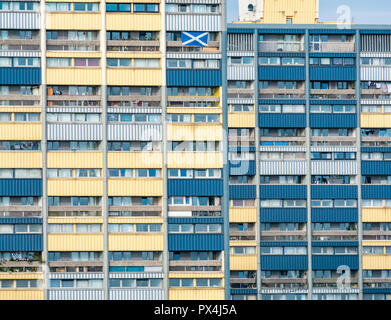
<point>21,276</point>
<point>20,294</point>
<point>242,215</point>
<point>376,243</point>
<point>74,160</point>
<point>20,109</point>
<point>20,159</point>
<point>243,262</point>
<point>242,244</point>
<point>73,21</point>
<point>133,21</point>
<point>376,214</point>
<point>134,77</point>
<point>375,120</point>
<point>197,160</point>
<point>75,187</point>
<point>135,187</point>
<point>136,242</point>
<point>75,242</point>
<point>135,160</point>
<point>73,54</point>
<point>376,262</point>
<point>196,275</point>
<point>20,131</point>
<point>135,220</point>
<point>196,294</point>
<point>196,132</point>
<point>194,110</point>
<point>76,220</point>
<point>74,76</point>
<point>241,120</point>
<point>140,55</point>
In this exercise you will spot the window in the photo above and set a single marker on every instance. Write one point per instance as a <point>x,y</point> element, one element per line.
<point>145,7</point>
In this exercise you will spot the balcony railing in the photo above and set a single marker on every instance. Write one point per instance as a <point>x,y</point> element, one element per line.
<point>284,46</point>
<point>332,47</point>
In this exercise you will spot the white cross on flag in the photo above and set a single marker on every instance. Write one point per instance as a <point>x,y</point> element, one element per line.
<point>199,39</point>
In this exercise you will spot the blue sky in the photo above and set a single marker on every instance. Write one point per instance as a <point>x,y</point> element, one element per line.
<point>362,11</point>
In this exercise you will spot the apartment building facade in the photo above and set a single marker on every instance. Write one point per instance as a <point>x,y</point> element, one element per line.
<point>151,151</point>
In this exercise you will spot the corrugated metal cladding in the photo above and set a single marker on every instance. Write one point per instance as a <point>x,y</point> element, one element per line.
<point>341,167</point>
<point>290,31</point>
<point>281,120</point>
<point>75,294</point>
<point>195,220</point>
<point>239,168</point>
<point>284,244</point>
<point>281,73</point>
<point>21,187</point>
<point>194,77</point>
<point>283,167</point>
<point>335,243</point>
<point>137,294</point>
<point>195,1</point>
<point>136,275</point>
<point>329,262</point>
<point>238,101</point>
<point>197,22</point>
<point>241,73</point>
<point>283,192</point>
<point>375,55</point>
<point>333,120</point>
<point>376,42</point>
<point>238,30</point>
<point>281,54</point>
<point>375,149</point>
<point>333,101</point>
<point>294,262</point>
<point>200,242</point>
<point>376,167</point>
<point>20,75</point>
<point>193,55</point>
<point>332,54</point>
<point>134,110</point>
<point>281,101</point>
<point>282,149</point>
<point>333,149</point>
<point>375,73</point>
<point>21,242</point>
<point>76,109</point>
<point>333,73</point>
<point>74,131</point>
<point>142,132</point>
<point>242,192</point>
<point>20,54</point>
<point>332,31</point>
<point>243,291</point>
<point>375,192</point>
<point>195,187</point>
<point>19,20</point>
<point>283,215</point>
<point>240,42</point>
<point>376,290</point>
<point>20,220</point>
<point>334,192</point>
<point>334,215</point>
<point>76,275</point>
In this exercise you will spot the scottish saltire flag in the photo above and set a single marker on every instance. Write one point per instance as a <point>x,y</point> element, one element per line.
<point>199,39</point>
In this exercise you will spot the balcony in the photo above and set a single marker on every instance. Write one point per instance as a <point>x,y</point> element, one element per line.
<point>332,47</point>
<point>177,46</point>
<point>281,46</point>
